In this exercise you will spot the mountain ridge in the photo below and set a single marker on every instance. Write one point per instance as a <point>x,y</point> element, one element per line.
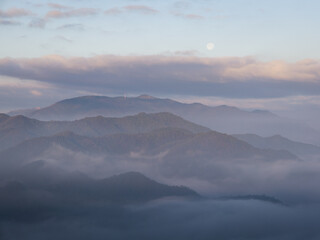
<point>16,129</point>
<point>170,148</point>
<point>278,142</point>
<point>227,119</point>
<point>89,103</point>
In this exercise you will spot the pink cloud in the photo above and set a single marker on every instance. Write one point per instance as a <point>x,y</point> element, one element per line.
<point>112,11</point>
<point>15,12</point>
<point>225,69</point>
<point>58,6</point>
<point>229,76</point>
<point>141,9</point>
<point>71,13</point>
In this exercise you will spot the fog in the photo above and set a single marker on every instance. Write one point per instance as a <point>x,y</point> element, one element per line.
<point>195,185</point>
<point>293,181</point>
<point>48,197</point>
<point>171,219</point>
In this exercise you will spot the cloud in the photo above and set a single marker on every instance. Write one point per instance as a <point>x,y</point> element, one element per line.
<point>36,93</point>
<point>131,8</point>
<point>38,23</point>
<point>233,77</point>
<point>16,93</point>
<point>46,218</point>
<point>186,53</point>
<point>113,11</point>
<point>9,23</point>
<point>74,26</point>
<point>189,16</point>
<point>292,181</point>
<point>79,12</point>
<point>63,38</point>
<point>15,12</point>
<point>58,6</point>
<point>273,104</point>
<point>141,9</point>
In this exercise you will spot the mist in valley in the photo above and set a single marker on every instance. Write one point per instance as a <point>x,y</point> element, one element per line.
<point>172,119</point>
<point>164,182</point>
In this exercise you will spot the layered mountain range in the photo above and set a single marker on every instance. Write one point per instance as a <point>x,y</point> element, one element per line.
<point>162,143</point>
<point>16,129</point>
<point>86,160</point>
<point>223,118</point>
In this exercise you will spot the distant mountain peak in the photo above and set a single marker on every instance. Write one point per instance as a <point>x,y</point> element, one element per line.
<point>131,176</point>
<point>263,112</point>
<point>226,107</point>
<point>4,116</point>
<point>277,136</point>
<point>21,121</point>
<point>147,97</point>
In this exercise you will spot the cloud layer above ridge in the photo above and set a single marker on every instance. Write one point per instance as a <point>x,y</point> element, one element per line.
<point>233,77</point>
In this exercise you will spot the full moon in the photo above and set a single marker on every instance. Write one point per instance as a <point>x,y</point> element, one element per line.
<point>210,46</point>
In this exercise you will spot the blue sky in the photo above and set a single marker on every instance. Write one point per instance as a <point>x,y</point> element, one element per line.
<point>266,29</point>
<point>266,52</point>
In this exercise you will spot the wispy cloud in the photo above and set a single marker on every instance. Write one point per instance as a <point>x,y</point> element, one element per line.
<point>74,26</point>
<point>140,8</point>
<point>113,11</point>
<point>143,9</point>
<point>63,38</point>
<point>189,16</point>
<point>9,23</point>
<point>58,6</point>
<point>38,23</point>
<point>36,93</point>
<point>15,12</point>
<point>80,12</point>
<point>186,53</point>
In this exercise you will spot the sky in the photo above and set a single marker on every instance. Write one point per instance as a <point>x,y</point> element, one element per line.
<point>265,54</point>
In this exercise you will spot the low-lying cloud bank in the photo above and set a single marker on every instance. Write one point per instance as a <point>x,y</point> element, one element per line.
<point>169,220</point>
<point>292,181</point>
<point>225,77</point>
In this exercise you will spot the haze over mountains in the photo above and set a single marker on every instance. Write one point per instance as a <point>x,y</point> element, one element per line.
<point>278,142</point>
<point>92,171</point>
<point>224,145</point>
<point>126,188</point>
<point>155,144</point>
<point>225,119</point>
<point>16,129</point>
<point>166,149</point>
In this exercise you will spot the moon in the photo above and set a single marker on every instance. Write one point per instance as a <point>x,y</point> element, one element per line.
<point>210,46</point>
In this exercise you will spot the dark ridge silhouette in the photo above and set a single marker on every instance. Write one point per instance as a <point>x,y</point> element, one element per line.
<point>126,188</point>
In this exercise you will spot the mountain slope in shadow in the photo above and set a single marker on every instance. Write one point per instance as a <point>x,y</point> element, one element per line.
<point>14,130</point>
